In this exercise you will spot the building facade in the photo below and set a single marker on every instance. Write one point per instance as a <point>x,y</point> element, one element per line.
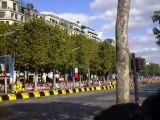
<point>10,12</point>
<point>15,11</point>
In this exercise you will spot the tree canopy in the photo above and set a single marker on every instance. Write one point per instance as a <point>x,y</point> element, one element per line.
<point>38,44</point>
<point>156,30</point>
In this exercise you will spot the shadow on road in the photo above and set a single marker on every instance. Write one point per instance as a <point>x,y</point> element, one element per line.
<point>49,111</point>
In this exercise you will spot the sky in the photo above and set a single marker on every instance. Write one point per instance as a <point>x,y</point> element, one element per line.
<point>101,16</point>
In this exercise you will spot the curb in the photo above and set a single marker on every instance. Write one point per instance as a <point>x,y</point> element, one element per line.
<point>37,94</point>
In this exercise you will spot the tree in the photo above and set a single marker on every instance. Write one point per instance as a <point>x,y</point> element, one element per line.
<point>30,6</point>
<point>122,52</point>
<point>65,53</point>
<point>33,45</point>
<point>156,30</point>
<point>153,69</point>
<point>106,56</point>
<point>86,54</point>
<point>5,40</point>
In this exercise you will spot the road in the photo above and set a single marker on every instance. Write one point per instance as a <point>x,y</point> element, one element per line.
<point>81,106</point>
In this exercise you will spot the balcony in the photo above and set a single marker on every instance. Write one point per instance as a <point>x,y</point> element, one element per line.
<point>7,17</point>
<point>11,9</point>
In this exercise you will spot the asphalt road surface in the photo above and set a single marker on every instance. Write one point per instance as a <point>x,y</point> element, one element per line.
<point>81,106</point>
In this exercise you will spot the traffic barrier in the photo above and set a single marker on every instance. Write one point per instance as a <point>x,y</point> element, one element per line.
<point>36,94</point>
<point>25,95</point>
<point>88,89</point>
<point>82,89</point>
<point>63,92</point>
<point>70,91</point>
<point>0,99</point>
<point>104,87</point>
<point>131,84</point>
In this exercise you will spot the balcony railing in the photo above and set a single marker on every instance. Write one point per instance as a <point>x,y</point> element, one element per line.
<point>11,9</point>
<point>12,18</point>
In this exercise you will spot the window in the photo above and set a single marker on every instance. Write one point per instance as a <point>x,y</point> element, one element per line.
<point>22,10</point>
<point>15,16</point>
<point>14,6</point>
<point>4,5</point>
<point>2,14</point>
<point>7,22</point>
<point>12,15</point>
<point>21,18</point>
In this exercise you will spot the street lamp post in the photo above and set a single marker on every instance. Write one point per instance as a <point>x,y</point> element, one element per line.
<point>14,57</point>
<point>135,78</point>
<point>77,48</point>
<point>5,85</point>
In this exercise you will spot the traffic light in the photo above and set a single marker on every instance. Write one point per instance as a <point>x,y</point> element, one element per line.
<point>139,63</point>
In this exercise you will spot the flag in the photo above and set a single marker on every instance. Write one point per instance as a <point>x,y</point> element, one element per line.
<point>10,63</point>
<point>3,66</point>
<point>76,71</point>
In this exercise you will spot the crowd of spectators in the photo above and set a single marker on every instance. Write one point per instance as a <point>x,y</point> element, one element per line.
<point>40,86</point>
<point>63,85</point>
<point>1,88</point>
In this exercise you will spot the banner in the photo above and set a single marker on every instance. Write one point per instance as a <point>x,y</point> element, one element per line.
<point>3,66</point>
<point>10,63</point>
<point>70,74</point>
<point>76,71</point>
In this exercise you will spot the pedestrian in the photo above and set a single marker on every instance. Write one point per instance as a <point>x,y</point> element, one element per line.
<point>151,107</point>
<point>128,111</point>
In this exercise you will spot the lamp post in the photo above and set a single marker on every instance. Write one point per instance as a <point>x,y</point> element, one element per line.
<point>137,64</point>
<point>76,67</point>
<point>135,78</point>
<point>5,85</point>
<point>14,56</point>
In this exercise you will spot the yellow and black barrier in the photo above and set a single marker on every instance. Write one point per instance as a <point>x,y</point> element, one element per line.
<point>38,94</point>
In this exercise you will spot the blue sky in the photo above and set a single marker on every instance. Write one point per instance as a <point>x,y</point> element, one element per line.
<point>62,6</point>
<point>101,16</point>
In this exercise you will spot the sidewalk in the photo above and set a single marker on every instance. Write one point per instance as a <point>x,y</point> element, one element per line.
<point>4,93</point>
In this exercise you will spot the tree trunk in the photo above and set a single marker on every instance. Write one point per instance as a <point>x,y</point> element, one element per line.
<point>54,79</point>
<point>88,76</point>
<point>122,52</point>
<point>36,79</point>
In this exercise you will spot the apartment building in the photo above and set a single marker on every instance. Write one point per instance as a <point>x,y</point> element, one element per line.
<point>73,28</point>
<point>15,11</point>
<point>10,12</point>
<point>90,33</point>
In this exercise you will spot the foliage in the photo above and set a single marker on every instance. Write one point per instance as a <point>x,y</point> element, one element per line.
<point>156,30</point>
<point>32,45</point>
<point>38,44</point>
<point>5,41</point>
<point>150,70</point>
<point>107,57</point>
